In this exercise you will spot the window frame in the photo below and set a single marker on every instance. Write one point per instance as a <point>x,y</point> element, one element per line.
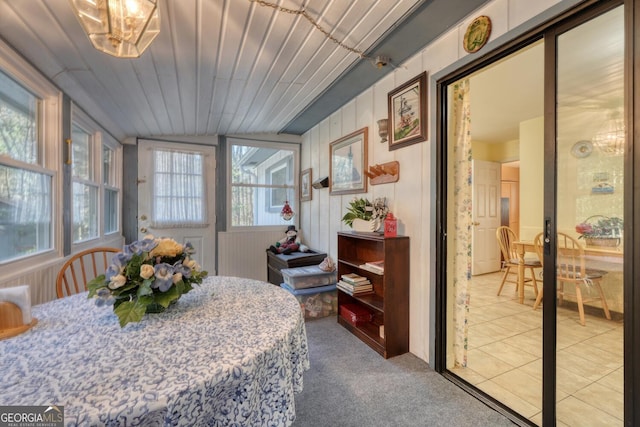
<point>203,223</point>
<point>99,139</point>
<point>94,180</point>
<point>276,167</point>
<point>49,137</point>
<point>295,170</point>
<point>114,185</point>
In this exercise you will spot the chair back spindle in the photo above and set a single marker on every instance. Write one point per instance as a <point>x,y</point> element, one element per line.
<point>81,268</point>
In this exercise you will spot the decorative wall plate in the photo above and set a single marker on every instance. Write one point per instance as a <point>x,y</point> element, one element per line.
<point>582,149</point>
<point>477,34</point>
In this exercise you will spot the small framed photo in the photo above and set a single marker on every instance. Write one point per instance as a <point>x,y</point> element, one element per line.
<point>305,185</point>
<point>408,113</point>
<point>347,163</point>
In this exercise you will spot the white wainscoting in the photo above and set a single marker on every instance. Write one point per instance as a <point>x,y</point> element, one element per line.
<point>42,278</point>
<point>243,253</point>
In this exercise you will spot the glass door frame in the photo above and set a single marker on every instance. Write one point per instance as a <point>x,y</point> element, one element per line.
<point>549,31</point>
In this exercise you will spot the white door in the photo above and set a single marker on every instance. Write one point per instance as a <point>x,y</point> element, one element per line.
<point>176,195</point>
<point>486,217</point>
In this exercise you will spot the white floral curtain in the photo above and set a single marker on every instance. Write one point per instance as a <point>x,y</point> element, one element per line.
<point>460,124</point>
<point>178,190</point>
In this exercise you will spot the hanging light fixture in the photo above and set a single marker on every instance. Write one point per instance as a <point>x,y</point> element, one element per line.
<point>122,28</point>
<point>610,139</point>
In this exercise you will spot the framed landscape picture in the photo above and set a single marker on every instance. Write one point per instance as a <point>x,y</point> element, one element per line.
<point>347,163</point>
<point>305,185</point>
<point>408,113</point>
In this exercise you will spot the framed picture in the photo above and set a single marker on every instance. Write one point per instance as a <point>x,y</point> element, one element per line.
<point>408,113</point>
<point>347,163</point>
<point>305,185</point>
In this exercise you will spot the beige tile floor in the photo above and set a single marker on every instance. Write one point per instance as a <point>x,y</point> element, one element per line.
<point>505,350</point>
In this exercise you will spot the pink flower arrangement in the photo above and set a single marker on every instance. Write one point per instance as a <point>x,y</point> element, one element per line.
<point>604,227</point>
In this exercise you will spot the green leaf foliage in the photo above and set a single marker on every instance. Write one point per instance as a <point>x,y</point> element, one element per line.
<point>132,295</point>
<point>132,311</point>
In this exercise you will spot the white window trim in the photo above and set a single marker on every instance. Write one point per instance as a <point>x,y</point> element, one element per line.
<point>110,142</point>
<point>100,138</point>
<point>50,140</point>
<point>295,147</point>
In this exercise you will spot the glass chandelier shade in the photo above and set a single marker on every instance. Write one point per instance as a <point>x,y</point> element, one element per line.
<point>610,139</point>
<point>122,28</point>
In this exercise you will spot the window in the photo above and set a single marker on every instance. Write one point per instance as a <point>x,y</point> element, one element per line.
<point>111,191</point>
<point>263,178</point>
<point>85,188</point>
<point>278,177</point>
<point>178,189</point>
<point>96,170</point>
<point>25,182</point>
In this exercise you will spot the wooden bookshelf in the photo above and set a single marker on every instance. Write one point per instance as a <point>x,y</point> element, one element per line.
<point>389,301</point>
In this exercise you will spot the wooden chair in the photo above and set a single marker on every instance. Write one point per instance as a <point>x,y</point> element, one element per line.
<point>571,268</point>
<point>81,268</point>
<point>537,245</point>
<point>506,237</point>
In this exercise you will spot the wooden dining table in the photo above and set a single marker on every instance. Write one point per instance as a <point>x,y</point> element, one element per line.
<point>523,247</point>
<point>230,352</point>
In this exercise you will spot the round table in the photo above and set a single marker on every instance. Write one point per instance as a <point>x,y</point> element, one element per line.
<point>231,351</point>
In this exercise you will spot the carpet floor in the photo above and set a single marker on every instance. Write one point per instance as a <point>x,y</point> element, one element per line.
<point>349,384</point>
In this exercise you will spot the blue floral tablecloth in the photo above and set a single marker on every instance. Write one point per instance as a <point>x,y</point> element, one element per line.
<point>230,352</point>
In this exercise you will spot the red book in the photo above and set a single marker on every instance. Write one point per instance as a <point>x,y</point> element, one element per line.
<point>355,314</point>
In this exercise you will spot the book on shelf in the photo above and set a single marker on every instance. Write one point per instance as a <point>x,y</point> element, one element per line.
<point>354,289</point>
<point>374,266</point>
<point>354,278</point>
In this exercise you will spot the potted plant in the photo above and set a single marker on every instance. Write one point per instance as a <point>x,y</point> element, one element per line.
<point>363,215</point>
<point>601,230</point>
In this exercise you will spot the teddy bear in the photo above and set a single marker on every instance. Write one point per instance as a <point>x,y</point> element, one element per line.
<point>289,243</point>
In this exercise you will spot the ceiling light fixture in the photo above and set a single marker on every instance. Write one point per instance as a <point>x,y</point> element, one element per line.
<point>610,139</point>
<point>121,28</point>
<point>379,62</point>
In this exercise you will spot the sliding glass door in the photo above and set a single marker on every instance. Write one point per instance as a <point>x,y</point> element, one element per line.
<point>532,176</point>
<point>586,236</point>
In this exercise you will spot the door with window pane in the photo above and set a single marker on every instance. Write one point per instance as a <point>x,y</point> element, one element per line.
<point>176,195</point>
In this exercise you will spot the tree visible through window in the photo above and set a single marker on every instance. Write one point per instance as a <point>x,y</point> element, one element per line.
<point>85,188</point>
<point>25,185</point>
<point>262,179</point>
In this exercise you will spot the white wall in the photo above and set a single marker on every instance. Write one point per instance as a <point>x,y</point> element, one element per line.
<point>412,198</point>
<point>531,180</point>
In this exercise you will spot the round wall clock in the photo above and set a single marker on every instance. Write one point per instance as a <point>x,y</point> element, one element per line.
<point>582,149</point>
<point>477,34</point>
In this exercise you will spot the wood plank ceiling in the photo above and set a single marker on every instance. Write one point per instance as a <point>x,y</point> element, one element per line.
<point>217,67</point>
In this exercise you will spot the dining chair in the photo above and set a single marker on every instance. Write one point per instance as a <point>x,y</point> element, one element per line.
<point>571,268</point>
<point>506,236</point>
<point>81,268</point>
<point>537,246</point>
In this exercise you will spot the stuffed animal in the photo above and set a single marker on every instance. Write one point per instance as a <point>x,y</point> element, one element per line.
<point>290,243</point>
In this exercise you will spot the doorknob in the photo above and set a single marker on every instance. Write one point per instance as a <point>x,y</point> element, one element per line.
<point>143,229</point>
<point>475,223</point>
